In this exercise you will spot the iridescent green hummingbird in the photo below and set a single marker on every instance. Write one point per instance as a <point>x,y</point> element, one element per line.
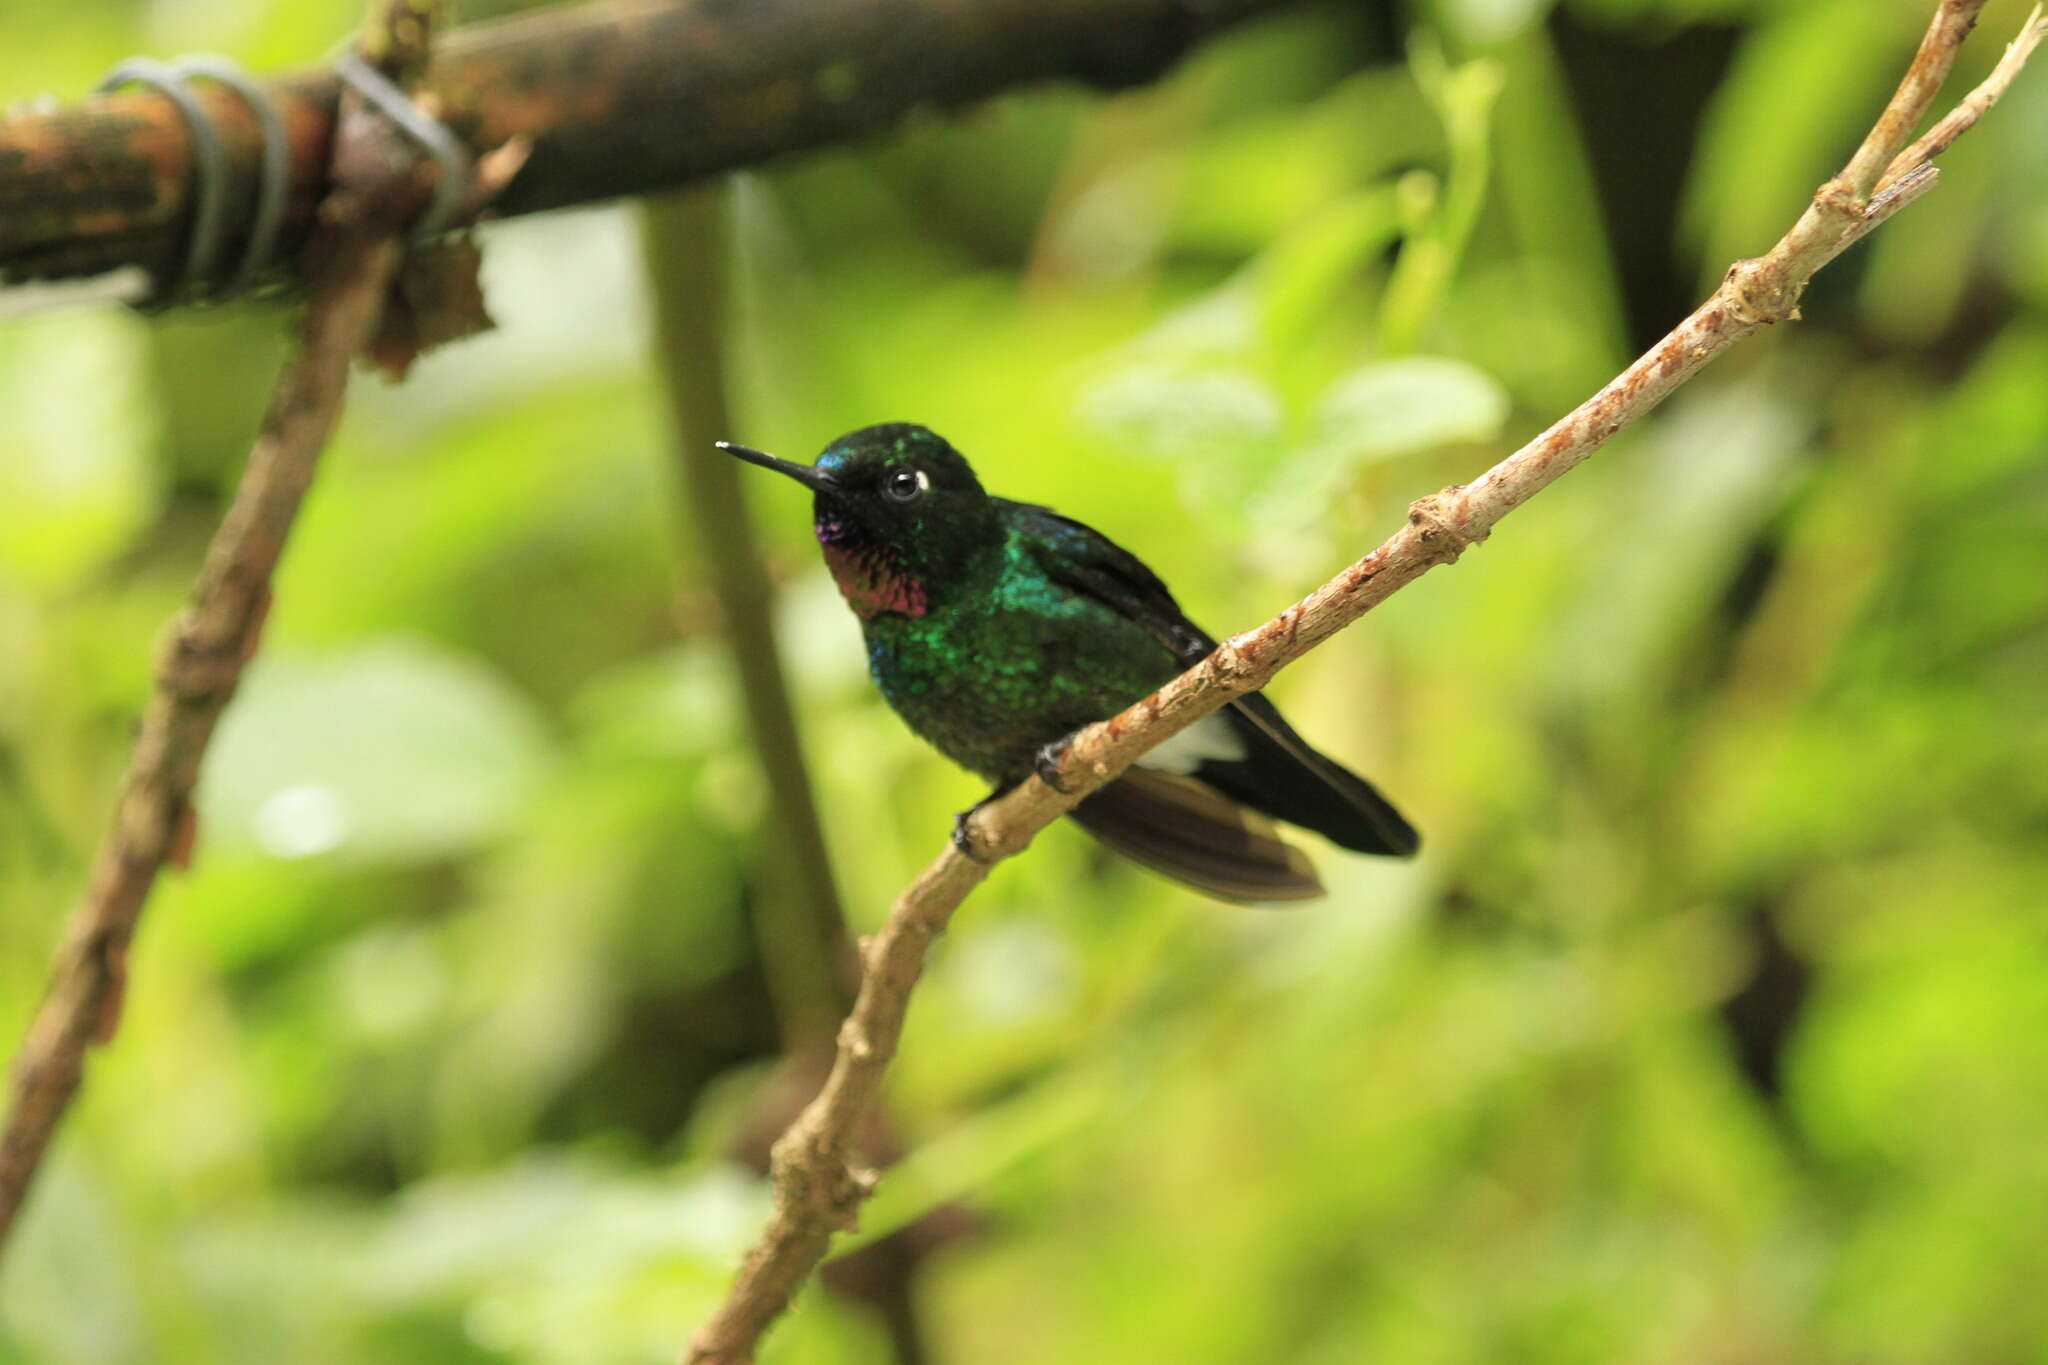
<point>998,628</point>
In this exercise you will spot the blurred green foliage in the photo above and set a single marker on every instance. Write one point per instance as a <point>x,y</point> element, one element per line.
<point>1711,1027</point>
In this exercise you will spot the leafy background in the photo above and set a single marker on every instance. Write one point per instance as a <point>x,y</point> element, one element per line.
<point>1711,1027</point>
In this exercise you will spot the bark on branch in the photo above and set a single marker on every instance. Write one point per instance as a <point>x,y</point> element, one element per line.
<point>818,1189</point>
<point>351,261</point>
<point>622,97</point>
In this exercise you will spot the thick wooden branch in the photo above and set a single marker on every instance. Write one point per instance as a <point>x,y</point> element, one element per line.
<point>818,1189</point>
<point>617,98</point>
<point>351,263</point>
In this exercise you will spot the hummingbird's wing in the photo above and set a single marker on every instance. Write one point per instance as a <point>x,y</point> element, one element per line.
<point>1083,560</point>
<point>1194,834</point>
<point>1274,769</point>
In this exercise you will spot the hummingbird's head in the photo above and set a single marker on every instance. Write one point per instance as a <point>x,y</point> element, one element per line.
<point>897,511</point>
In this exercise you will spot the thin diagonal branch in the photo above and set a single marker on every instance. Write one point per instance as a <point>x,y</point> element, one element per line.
<point>1951,25</point>
<point>1973,106</point>
<point>818,1189</point>
<point>1769,288</point>
<point>352,259</point>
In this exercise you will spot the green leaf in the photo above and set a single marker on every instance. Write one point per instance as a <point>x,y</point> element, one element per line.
<point>1398,407</point>
<point>390,752</point>
<point>1300,276</point>
<point>1182,413</point>
<point>75,480</point>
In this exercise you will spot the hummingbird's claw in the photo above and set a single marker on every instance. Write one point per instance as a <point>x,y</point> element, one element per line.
<point>1049,760</point>
<point>963,838</point>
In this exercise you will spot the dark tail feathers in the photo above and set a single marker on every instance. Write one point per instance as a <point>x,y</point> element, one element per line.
<point>1285,778</point>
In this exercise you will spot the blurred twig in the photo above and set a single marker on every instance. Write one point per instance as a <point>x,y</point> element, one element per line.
<point>818,1190</point>
<point>351,261</point>
<point>800,925</point>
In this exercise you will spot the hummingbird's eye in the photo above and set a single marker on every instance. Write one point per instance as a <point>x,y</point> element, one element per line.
<point>905,485</point>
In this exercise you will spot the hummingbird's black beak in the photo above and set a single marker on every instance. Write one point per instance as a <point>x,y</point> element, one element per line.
<point>815,479</point>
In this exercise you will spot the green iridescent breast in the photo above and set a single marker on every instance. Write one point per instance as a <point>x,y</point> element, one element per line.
<point>1008,660</point>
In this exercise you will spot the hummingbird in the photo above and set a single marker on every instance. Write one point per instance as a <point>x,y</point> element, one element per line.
<point>996,629</point>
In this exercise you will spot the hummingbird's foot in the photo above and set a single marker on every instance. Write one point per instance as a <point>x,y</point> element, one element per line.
<point>963,838</point>
<point>1048,761</point>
